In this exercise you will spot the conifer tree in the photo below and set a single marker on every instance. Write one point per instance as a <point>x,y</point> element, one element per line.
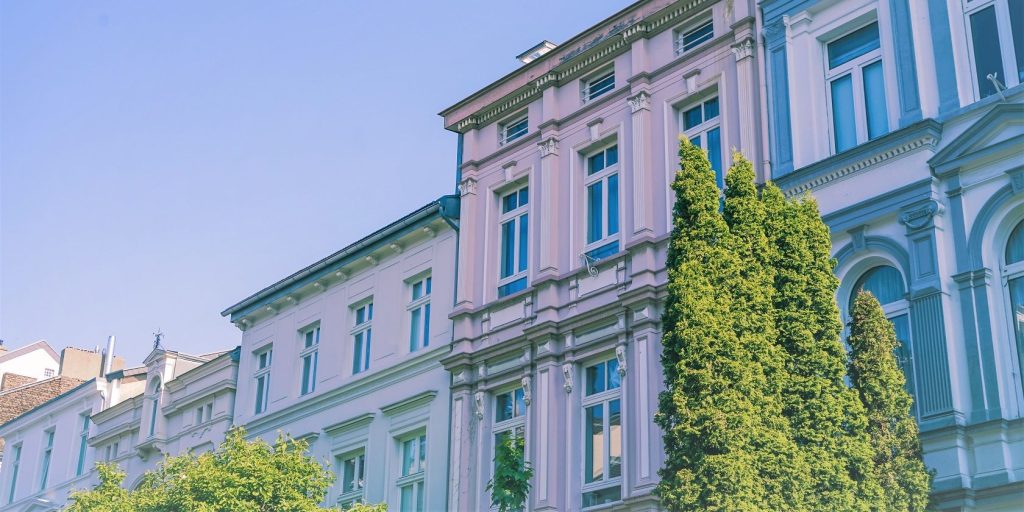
<point>724,447</point>
<point>880,384</point>
<point>827,418</point>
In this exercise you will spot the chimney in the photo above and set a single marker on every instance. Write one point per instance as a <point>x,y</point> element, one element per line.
<point>108,359</point>
<point>536,52</point>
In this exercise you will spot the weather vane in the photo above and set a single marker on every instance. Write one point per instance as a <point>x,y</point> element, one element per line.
<point>157,336</point>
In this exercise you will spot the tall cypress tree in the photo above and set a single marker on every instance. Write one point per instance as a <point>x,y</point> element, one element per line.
<point>827,418</point>
<point>724,446</point>
<point>880,384</point>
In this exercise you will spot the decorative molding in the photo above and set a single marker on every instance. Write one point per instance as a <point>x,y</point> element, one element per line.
<point>527,390</point>
<point>467,187</point>
<point>342,275</point>
<point>396,247</point>
<point>857,237</point>
<point>548,146</point>
<point>620,355</point>
<point>372,260</point>
<point>639,101</point>
<point>405,404</point>
<point>429,231</point>
<point>478,405</point>
<point>291,299</point>
<point>743,49</point>
<point>921,216</point>
<point>567,374</point>
<point>270,309</point>
<point>1016,179</point>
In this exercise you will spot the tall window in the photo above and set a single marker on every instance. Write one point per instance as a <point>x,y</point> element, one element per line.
<point>15,467</point>
<point>111,451</point>
<point>419,314</point>
<point>414,465</point>
<point>204,413</point>
<point>602,434</point>
<point>362,335</point>
<point>309,355</point>
<point>703,127</point>
<point>352,468</point>
<point>512,129</point>
<point>856,88</point>
<point>83,444</point>
<point>154,409</point>
<point>509,415</point>
<point>515,237</point>
<point>44,471</point>
<point>1013,271</point>
<point>886,284</point>
<point>687,40</point>
<point>997,42</point>
<point>598,85</point>
<point>602,185</point>
<point>262,378</point>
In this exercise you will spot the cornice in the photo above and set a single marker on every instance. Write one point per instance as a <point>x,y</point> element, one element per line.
<point>223,385</point>
<point>412,402</point>
<point>362,420</point>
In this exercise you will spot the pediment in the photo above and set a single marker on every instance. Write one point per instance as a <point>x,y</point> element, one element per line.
<point>998,133</point>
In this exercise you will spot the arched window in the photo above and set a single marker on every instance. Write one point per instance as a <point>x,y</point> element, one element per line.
<point>886,284</point>
<point>154,406</point>
<point>1013,270</point>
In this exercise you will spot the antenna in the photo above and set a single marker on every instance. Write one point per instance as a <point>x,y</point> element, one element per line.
<point>157,336</point>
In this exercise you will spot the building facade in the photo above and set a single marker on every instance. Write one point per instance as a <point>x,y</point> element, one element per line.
<point>32,362</point>
<point>909,131</point>
<point>345,354</point>
<point>565,172</point>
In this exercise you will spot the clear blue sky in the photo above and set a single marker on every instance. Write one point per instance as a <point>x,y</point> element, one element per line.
<point>161,160</point>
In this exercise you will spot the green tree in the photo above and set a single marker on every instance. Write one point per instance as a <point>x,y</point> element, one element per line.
<point>880,384</point>
<point>725,446</point>
<point>510,485</point>
<point>828,421</point>
<point>240,476</point>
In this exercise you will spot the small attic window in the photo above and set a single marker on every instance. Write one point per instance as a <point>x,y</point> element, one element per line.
<point>513,129</point>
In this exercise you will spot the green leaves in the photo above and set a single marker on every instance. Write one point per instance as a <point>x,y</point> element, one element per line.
<point>510,485</point>
<point>240,476</point>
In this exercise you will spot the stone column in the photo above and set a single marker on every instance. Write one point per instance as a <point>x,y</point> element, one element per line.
<point>748,94</point>
<point>643,182</point>
<point>547,223</point>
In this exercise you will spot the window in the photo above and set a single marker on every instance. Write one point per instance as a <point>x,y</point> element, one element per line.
<point>204,413</point>
<point>515,236</point>
<point>1013,271</point>
<point>856,88</point>
<point>352,468</point>
<point>47,373</point>
<point>414,465</point>
<point>597,86</point>
<point>602,186</point>
<point>886,284</point>
<point>44,470</point>
<point>362,335</point>
<point>154,407</point>
<point>602,434</point>
<point>702,126</point>
<point>111,451</point>
<point>690,39</point>
<point>509,416</point>
<point>15,467</point>
<point>996,29</point>
<point>419,314</point>
<point>309,356</point>
<point>262,378</point>
<point>513,129</point>
<point>83,444</point>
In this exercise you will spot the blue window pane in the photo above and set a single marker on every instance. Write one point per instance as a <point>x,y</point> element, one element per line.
<point>601,85</point>
<point>508,203</point>
<point>988,57</point>
<point>692,117</point>
<point>613,204</point>
<point>613,374</point>
<point>711,108</point>
<point>842,113</point>
<point>853,45</point>
<point>414,331</point>
<point>611,156</point>
<point>1015,245</point>
<point>1017,30</point>
<point>698,35</point>
<point>594,227</point>
<point>357,356</point>
<point>874,100</point>
<point>593,463</point>
<point>604,251</point>
<point>885,283</point>
<point>524,237</point>
<point>1017,317</point>
<point>595,378</point>
<point>508,240</point>
<point>901,324</point>
<point>595,163</point>
<point>524,196</point>
<point>602,496</point>
<point>513,287</point>
<point>696,141</point>
<point>715,156</point>
<point>426,325</point>
<point>520,402</point>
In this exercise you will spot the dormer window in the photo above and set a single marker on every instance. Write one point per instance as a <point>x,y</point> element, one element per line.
<point>598,85</point>
<point>687,40</point>
<point>513,129</point>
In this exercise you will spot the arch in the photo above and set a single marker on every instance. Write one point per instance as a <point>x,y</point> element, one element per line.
<point>976,240</point>
<point>1014,250</point>
<point>887,246</point>
<point>885,282</point>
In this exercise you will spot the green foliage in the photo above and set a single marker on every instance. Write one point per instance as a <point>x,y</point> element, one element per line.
<point>510,485</point>
<point>240,476</point>
<point>727,446</point>
<point>880,384</point>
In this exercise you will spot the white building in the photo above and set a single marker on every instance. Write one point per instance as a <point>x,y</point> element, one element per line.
<point>346,354</point>
<point>36,361</point>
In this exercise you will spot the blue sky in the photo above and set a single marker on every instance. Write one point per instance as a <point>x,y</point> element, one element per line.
<point>161,160</point>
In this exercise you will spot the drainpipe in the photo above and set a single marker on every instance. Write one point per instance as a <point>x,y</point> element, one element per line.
<point>455,290</point>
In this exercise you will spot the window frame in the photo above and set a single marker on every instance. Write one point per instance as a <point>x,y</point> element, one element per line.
<point>589,93</point>
<point>705,126</point>
<point>347,498</point>
<point>603,399</point>
<point>415,479</point>
<point>602,176</point>
<point>83,444</point>
<point>309,350</point>
<point>419,331</point>
<point>681,33</point>
<point>515,425</point>
<point>854,68</point>
<point>1008,53</point>
<point>47,456</point>
<point>506,135</point>
<point>515,216</point>
<point>1010,272</point>
<point>362,335</point>
<point>17,449</point>
<point>262,372</point>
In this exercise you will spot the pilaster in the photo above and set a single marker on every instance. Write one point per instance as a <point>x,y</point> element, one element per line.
<point>548,218</point>
<point>749,97</point>
<point>643,182</point>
